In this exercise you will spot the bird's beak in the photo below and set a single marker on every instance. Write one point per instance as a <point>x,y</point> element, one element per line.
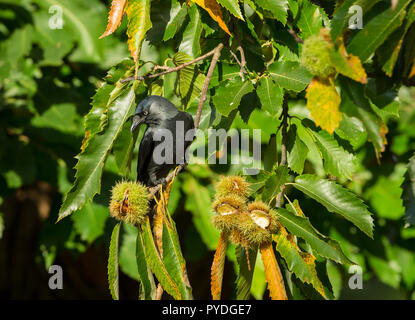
<point>137,121</point>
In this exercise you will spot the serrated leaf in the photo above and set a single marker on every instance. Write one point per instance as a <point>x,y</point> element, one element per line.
<point>290,75</point>
<point>225,102</point>
<point>310,20</point>
<point>336,160</point>
<point>144,271</point>
<point>348,64</point>
<point>270,95</point>
<point>301,227</point>
<point>156,264</point>
<point>173,258</point>
<point>218,264</point>
<point>323,103</point>
<point>92,159</point>
<point>114,17</point>
<point>302,264</point>
<point>191,36</point>
<point>113,262</point>
<point>138,13</point>
<point>297,150</point>
<point>245,273</point>
<point>408,194</point>
<point>189,81</point>
<point>376,31</point>
<point>273,274</point>
<point>278,8</point>
<point>336,199</point>
<point>233,7</point>
<point>215,11</point>
<point>177,15</point>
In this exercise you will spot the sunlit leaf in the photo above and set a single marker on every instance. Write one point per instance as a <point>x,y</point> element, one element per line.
<point>114,17</point>
<point>215,11</point>
<point>138,13</point>
<point>337,199</point>
<point>323,102</point>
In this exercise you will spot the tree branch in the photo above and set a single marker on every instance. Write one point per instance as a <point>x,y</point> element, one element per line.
<point>283,162</point>
<point>216,54</point>
<point>174,69</point>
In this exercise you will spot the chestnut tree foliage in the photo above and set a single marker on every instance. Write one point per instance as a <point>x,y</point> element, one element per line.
<point>334,104</point>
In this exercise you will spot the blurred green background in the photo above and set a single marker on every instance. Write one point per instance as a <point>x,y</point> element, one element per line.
<point>47,79</point>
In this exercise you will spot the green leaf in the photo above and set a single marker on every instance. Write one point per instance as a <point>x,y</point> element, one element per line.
<point>336,199</point>
<point>244,279</point>
<point>311,19</point>
<point>225,102</point>
<point>274,183</point>
<point>297,150</point>
<point>92,158</point>
<point>127,260</point>
<point>408,194</point>
<point>113,262</point>
<point>233,7</point>
<point>198,202</point>
<point>300,263</point>
<point>139,22</point>
<point>191,36</point>
<point>376,31</point>
<point>355,103</point>
<point>178,13</point>
<point>90,221</point>
<point>83,20</point>
<point>388,52</point>
<point>173,258</point>
<point>156,264</point>
<point>277,8</point>
<point>341,16</point>
<point>336,160</point>
<point>148,287</point>
<point>270,95</point>
<point>189,81</point>
<point>321,245</point>
<point>290,75</point>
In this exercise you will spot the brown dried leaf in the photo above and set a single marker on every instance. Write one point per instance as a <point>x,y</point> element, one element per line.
<point>215,11</point>
<point>273,273</point>
<point>217,267</point>
<point>114,17</point>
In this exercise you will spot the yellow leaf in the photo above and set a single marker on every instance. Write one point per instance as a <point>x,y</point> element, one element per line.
<point>273,273</point>
<point>114,17</point>
<point>138,13</point>
<point>215,11</point>
<point>323,103</point>
<point>217,267</point>
<point>348,64</point>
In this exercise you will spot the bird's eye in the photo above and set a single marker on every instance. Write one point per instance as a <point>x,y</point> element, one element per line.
<point>145,112</point>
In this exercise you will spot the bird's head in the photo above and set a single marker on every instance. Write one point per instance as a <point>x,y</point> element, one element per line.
<point>152,110</point>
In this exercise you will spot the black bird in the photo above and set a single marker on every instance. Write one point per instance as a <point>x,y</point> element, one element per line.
<point>159,114</point>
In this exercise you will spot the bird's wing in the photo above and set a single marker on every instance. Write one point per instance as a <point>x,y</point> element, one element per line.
<point>144,155</point>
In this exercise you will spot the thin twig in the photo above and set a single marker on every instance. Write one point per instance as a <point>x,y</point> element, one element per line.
<point>216,54</point>
<point>175,69</point>
<point>283,162</point>
<point>295,36</point>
